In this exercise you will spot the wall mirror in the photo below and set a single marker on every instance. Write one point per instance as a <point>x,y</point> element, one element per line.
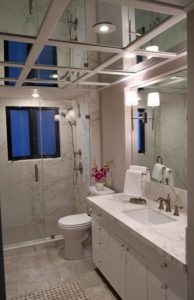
<point>160,133</point>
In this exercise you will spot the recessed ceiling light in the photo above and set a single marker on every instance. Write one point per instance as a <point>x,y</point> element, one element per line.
<point>35,94</point>
<point>104,27</point>
<point>130,55</point>
<point>55,75</point>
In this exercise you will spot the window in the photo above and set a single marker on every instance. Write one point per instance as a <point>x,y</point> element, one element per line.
<point>17,52</point>
<point>141,119</point>
<point>32,133</point>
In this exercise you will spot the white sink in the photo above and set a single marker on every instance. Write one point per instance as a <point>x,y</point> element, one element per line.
<point>148,216</point>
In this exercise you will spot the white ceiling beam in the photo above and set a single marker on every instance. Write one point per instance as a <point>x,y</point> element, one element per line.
<point>88,47</point>
<point>112,72</point>
<point>60,68</point>
<point>16,38</point>
<point>162,8</point>
<point>94,83</point>
<point>154,73</point>
<point>47,81</point>
<point>53,15</point>
<point>8,64</point>
<point>159,54</point>
<point>136,44</point>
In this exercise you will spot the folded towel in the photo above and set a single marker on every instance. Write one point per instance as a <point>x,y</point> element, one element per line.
<point>158,172</point>
<point>168,174</point>
<point>143,169</point>
<point>134,182</point>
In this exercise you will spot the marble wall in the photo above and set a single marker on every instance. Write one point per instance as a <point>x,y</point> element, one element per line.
<point>30,209</point>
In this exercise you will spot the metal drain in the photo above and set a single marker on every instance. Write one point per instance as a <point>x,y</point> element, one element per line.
<point>69,291</point>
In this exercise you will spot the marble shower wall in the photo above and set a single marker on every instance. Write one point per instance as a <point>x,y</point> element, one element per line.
<point>168,139</point>
<point>88,132</point>
<point>30,209</point>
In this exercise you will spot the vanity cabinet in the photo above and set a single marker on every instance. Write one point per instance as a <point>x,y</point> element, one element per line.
<point>134,276</point>
<point>123,267</point>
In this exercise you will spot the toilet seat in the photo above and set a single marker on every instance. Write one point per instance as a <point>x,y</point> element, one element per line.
<point>75,221</point>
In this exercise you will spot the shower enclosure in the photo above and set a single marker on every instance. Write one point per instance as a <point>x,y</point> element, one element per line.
<point>37,188</point>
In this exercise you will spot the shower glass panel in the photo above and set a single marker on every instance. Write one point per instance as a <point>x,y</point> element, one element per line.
<point>22,204</point>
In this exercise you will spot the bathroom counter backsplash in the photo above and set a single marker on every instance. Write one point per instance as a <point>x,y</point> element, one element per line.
<point>168,239</point>
<point>153,190</point>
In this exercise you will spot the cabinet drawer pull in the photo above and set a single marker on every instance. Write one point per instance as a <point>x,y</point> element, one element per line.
<point>164,286</point>
<point>164,265</point>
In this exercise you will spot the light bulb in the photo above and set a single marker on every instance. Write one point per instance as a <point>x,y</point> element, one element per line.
<point>153,99</point>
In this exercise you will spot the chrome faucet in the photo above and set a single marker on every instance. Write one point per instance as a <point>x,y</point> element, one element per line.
<point>167,201</point>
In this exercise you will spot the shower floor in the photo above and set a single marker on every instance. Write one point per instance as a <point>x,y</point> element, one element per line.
<point>42,267</point>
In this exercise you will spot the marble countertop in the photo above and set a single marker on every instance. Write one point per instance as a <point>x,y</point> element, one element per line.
<point>168,238</point>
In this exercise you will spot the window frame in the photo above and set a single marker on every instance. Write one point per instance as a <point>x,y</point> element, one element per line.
<point>32,133</point>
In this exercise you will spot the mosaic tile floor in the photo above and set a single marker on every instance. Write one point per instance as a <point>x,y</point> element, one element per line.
<point>69,291</point>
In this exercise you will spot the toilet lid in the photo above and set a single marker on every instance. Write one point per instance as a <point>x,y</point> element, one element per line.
<point>75,220</point>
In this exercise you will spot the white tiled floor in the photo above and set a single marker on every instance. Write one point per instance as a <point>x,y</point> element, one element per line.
<point>43,266</point>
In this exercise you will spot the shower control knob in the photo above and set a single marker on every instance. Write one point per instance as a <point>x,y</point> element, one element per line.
<point>164,265</point>
<point>164,286</point>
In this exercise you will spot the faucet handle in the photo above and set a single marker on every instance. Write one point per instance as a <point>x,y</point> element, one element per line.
<point>161,202</point>
<point>176,209</point>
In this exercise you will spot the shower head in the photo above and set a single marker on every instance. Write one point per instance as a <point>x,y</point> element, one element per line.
<point>69,116</point>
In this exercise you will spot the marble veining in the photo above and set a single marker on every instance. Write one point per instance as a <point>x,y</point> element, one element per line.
<point>30,210</point>
<point>168,239</point>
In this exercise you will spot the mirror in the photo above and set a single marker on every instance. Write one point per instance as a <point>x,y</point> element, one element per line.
<point>160,133</point>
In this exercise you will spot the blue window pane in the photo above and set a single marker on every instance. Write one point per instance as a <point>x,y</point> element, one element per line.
<point>20,133</point>
<point>46,126</point>
<point>15,52</point>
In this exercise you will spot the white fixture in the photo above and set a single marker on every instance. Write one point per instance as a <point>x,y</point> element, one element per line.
<point>129,55</point>
<point>104,27</point>
<point>152,48</point>
<point>148,216</point>
<point>131,98</point>
<point>153,99</point>
<point>75,230</point>
<point>70,116</point>
<point>35,94</point>
<point>55,75</point>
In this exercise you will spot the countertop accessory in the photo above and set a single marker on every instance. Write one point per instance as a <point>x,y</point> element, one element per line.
<point>138,200</point>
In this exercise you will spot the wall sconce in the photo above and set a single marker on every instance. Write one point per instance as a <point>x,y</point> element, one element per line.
<point>153,101</point>
<point>131,99</point>
<point>152,48</point>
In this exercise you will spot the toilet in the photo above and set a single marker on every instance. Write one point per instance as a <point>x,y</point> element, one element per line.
<point>75,230</point>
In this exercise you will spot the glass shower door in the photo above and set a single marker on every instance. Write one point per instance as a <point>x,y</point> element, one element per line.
<point>22,206</point>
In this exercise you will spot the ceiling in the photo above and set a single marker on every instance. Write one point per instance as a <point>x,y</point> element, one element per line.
<point>85,60</point>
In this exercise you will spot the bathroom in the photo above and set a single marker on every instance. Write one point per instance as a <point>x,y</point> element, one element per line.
<point>94,73</point>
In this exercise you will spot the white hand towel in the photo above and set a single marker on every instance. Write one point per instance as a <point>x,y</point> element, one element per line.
<point>143,169</point>
<point>134,183</point>
<point>169,177</point>
<point>158,172</point>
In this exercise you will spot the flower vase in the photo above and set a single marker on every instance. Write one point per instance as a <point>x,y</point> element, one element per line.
<point>99,186</point>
